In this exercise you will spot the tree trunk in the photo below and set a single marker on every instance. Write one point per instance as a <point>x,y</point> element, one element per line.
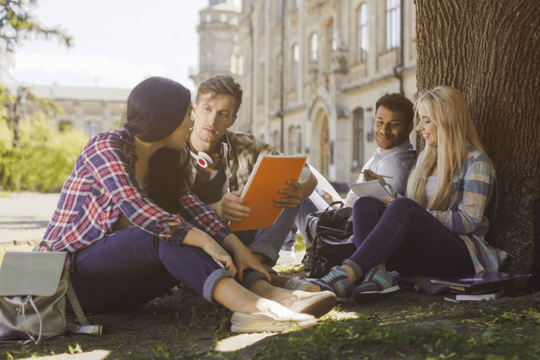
<point>490,51</point>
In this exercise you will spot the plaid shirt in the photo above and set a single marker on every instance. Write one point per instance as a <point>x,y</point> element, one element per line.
<point>103,185</point>
<point>244,151</point>
<point>472,188</point>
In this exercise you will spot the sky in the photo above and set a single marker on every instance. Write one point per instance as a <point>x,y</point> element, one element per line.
<point>117,43</point>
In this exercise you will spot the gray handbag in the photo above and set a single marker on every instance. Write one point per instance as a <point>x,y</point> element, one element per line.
<point>33,286</point>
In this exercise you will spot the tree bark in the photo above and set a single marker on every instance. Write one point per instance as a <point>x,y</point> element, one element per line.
<point>490,51</point>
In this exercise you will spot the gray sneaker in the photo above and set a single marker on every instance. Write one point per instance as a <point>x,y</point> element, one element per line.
<point>337,282</point>
<point>297,283</point>
<point>377,284</point>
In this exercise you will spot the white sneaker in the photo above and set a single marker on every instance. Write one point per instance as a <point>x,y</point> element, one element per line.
<point>276,319</point>
<point>313,303</point>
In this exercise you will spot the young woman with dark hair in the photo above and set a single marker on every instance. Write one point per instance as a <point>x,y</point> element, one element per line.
<point>438,228</point>
<point>127,248</point>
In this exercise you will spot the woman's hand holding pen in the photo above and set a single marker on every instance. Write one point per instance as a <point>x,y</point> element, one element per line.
<point>370,175</point>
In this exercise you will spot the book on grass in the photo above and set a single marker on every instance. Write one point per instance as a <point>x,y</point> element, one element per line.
<point>269,175</point>
<point>473,297</point>
<point>374,189</point>
<point>482,282</point>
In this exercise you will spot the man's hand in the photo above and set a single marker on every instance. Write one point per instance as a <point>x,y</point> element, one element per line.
<point>294,197</point>
<point>370,175</point>
<point>230,207</point>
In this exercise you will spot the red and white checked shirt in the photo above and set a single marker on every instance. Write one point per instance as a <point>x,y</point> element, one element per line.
<point>103,185</point>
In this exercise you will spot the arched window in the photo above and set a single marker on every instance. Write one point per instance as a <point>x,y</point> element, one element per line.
<point>295,63</point>
<point>393,23</point>
<point>223,18</point>
<point>358,138</point>
<point>208,18</point>
<point>362,45</point>
<point>314,48</point>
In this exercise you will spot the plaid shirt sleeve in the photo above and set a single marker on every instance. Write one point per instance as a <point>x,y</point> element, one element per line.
<point>106,159</point>
<point>475,190</point>
<point>202,216</point>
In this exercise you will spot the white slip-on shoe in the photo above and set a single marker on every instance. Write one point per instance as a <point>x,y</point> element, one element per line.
<point>316,304</point>
<point>276,319</point>
<point>297,283</point>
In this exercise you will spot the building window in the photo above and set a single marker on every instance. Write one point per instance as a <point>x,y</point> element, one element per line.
<point>261,84</point>
<point>393,23</point>
<point>208,18</point>
<point>358,138</point>
<point>331,43</point>
<point>291,148</point>
<point>295,4</point>
<point>223,18</point>
<point>362,33</point>
<point>64,125</point>
<point>280,10</point>
<point>278,80</point>
<point>299,143</point>
<point>263,16</point>
<point>276,139</point>
<point>314,48</point>
<point>92,128</point>
<point>295,62</point>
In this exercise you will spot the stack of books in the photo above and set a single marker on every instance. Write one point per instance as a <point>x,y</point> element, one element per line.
<point>486,286</point>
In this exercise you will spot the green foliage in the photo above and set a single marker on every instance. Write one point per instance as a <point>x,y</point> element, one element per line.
<point>42,160</point>
<point>15,22</point>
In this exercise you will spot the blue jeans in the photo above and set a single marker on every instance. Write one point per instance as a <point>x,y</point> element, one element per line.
<point>131,267</point>
<point>408,238</point>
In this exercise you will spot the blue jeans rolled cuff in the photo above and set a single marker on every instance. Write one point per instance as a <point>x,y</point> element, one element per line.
<point>211,281</point>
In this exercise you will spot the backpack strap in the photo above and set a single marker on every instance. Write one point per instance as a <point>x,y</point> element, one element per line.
<point>85,327</point>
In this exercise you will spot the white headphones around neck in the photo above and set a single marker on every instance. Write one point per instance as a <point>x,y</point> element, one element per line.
<point>204,159</point>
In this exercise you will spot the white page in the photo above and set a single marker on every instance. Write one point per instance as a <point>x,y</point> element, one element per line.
<point>373,189</point>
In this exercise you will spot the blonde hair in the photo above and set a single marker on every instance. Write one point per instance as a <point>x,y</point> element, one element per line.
<point>447,108</point>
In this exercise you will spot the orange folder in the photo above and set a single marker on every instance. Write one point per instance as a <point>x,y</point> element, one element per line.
<point>269,175</point>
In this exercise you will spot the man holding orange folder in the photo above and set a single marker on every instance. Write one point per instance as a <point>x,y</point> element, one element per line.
<point>219,163</point>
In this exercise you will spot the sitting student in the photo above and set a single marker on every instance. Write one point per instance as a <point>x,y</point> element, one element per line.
<point>395,155</point>
<point>219,162</point>
<point>438,229</point>
<point>127,248</point>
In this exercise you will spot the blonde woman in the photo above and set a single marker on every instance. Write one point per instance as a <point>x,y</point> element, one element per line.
<point>438,229</point>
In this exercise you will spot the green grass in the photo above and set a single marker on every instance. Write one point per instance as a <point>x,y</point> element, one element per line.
<point>508,335</point>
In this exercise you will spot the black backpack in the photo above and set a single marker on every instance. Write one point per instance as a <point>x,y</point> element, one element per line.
<point>329,240</point>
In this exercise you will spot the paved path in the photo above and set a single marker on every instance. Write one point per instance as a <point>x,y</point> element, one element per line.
<point>24,217</point>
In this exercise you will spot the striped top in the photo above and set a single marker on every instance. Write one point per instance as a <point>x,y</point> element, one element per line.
<point>472,188</point>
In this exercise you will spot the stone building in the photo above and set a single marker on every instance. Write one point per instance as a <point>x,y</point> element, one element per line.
<point>88,109</point>
<point>312,71</point>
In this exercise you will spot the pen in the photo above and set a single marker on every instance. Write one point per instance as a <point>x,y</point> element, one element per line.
<point>384,176</point>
